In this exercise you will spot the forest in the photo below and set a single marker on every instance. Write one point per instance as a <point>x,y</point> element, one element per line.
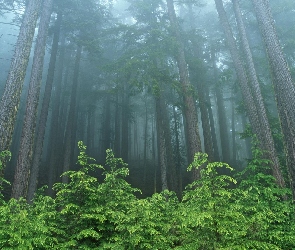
<point>147,124</point>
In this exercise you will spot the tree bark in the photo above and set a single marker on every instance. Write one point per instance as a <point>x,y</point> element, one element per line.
<point>11,97</point>
<point>22,171</point>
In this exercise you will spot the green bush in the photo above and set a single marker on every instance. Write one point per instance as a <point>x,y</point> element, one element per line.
<point>216,212</point>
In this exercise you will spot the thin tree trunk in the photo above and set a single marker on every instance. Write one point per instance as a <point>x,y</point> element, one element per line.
<point>208,144</point>
<point>193,137</point>
<point>22,171</point>
<point>154,154</point>
<point>125,124</point>
<point>90,129</point>
<point>283,84</point>
<point>161,145</point>
<point>247,140</point>
<point>11,97</point>
<point>223,128</point>
<point>56,133</point>
<point>233,131</point>
<point>117,146</point>
<point>212,126</point>
<point>106,128</point>
<point>177,153</point>
<point>70,134</point>
<point>145,145</point>
<point>44,112</point>
<point>171,167</point>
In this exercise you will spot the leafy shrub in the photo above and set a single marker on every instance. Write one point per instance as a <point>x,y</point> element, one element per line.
<point>217,212</point>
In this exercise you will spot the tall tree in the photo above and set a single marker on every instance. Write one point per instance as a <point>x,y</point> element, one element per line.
<point>268,141</point>
<point>38,147</point>
<point>193,137</point>
<point>70,132</point>
<point>252,109</point>
<point>11,97</point>
<point>161,143</point>
<point>22,171</point>
<point>283,83</point>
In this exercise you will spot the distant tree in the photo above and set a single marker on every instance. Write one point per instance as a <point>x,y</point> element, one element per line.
<point>190,114</point>
<point>70,132</point>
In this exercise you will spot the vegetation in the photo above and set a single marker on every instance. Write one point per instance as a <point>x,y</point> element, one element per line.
<point>164,86</point>
<point>216,211</point>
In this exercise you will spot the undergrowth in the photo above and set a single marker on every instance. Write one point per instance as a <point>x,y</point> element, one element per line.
<point>216,212</point>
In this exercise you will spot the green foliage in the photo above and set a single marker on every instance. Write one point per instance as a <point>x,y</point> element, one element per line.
<point>268,208</point>
<point>216,212</point>
<point>24,226</point>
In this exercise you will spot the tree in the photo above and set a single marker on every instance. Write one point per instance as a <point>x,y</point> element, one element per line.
<point>41,127</point>
<point>268,141</point>
<point>22,171</point>
<point>11,97</point>
<point>283,83</point>
<point>70,133</point>
<point>253,110</point>
<point>190,114</point>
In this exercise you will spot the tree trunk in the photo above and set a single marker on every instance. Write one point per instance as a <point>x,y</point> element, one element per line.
<point>44,112</point>
<point>212,126</point>
<point>125,124</point>
<point>106,130</point>
<point>168,147</point>
<point>193,137</point>
<point>117,144</point>
<point>233,131</point>
<point>247,140</point>
<point>283,84</point>
<point>56,132</point>
<point>177,153</point>
<point>223,128</point>
<point>161,145</point>
<point>208,144</point>
<point>22,171</point>
<point>145,144</point>
<point>266,135</point>
<point>70,133</point>
<point>11,97</point>
<point>249,102</point>
<point>90,129</point>
<point>154,152</point>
